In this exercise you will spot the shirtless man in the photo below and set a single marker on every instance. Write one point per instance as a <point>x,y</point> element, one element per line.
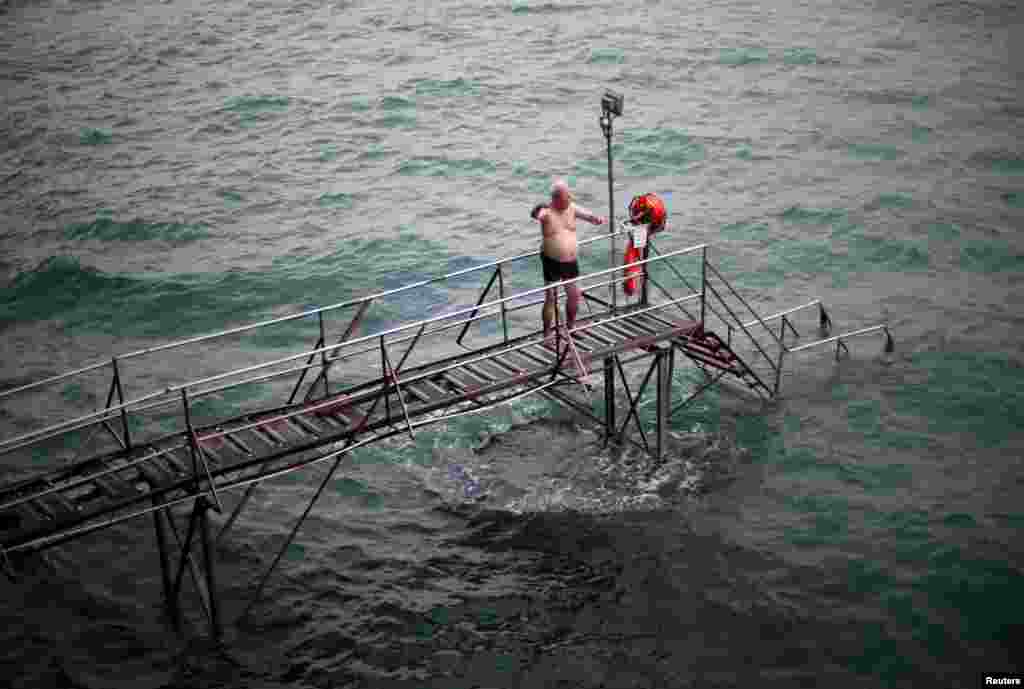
<point>558,252</point>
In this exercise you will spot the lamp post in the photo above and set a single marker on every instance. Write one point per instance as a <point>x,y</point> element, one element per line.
<point>611,106</point>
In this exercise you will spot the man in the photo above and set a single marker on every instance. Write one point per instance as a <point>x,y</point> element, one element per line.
<point>558,252</point>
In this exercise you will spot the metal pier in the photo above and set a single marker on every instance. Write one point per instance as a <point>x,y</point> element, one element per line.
<point>160,450</point>
<point>324,416</point>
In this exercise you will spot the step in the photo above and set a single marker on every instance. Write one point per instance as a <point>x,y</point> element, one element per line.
<point>19,520</point>
<point>627,334</point>
<point>716,363</point>
<point>217,449</point>
<point>602,336</point>
<point>156,473</point>
<point>661,321</point>
<point>417,393</point>
<point>525,362</point>
<point>57,508</point>
<point>506,367</point>
<point>270,438</point>
<point>256,438</point>
<point>306,425</point>
<point>435,391</point>
<point>721,354</point>
<point>177,461</point>
<point>114,486</point>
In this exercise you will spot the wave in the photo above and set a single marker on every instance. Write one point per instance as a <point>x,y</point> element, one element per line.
<point>106,228</point>
<point>86,298</point>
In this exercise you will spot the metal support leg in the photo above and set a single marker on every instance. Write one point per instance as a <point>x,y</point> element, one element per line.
<point>634,401</point>
<point>203,506</point>
<point>609,397</point>
<point>664,398</point>
<point>183,558</point>
<point>170,605</point>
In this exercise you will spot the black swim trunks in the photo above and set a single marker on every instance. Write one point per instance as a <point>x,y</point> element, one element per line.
<point>559,270</point>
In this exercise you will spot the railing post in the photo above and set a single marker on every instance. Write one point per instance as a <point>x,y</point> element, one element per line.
<point>323,355</point>
<point>643,284</point>
<point>501,295</point>
<point>191,438</point>
<point>782,352</point>
<point>703,282</point>
<point>386,377</point>
<point>120,401</point>
<point>483,295</point>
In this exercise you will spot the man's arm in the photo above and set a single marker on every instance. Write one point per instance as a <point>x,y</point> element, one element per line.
<point>537,211</point>
<point>583,213</point>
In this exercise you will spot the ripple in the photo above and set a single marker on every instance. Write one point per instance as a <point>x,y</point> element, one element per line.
<point>607,56</point>
<point>95,137</point>
<point>339,200</point>
<point>447,88</point>
<point>874,151</point>
<point>446,167</point>
<point>737,57</point>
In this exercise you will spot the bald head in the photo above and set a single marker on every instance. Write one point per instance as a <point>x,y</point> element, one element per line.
<point>560,196</point>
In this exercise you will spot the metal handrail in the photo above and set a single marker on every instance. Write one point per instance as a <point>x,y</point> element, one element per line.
<point>686,282</point>
<point>745,330</point>
<point>745,303</point>
<point>66,426</point>
<point>285,319</point>
<point>841,336</point>
<point>780,314</point>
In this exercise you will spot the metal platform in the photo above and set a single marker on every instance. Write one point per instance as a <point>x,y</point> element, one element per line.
<point>327,415</point>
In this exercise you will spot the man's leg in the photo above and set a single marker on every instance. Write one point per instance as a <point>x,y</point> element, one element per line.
<point>550,310</point>
<point>572,303</point>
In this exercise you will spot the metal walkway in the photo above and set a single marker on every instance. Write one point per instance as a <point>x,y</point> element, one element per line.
<point>370,387</point>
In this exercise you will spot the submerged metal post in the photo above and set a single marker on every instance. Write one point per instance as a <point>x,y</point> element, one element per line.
<point>170,605</point>
<point>208,563</point>
<point>664,400</point>
<point>183,557</point>
<point>609,398</point>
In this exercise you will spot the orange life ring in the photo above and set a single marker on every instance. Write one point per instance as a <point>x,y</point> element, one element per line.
<point>650,209</point>
<point>632,281</point>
